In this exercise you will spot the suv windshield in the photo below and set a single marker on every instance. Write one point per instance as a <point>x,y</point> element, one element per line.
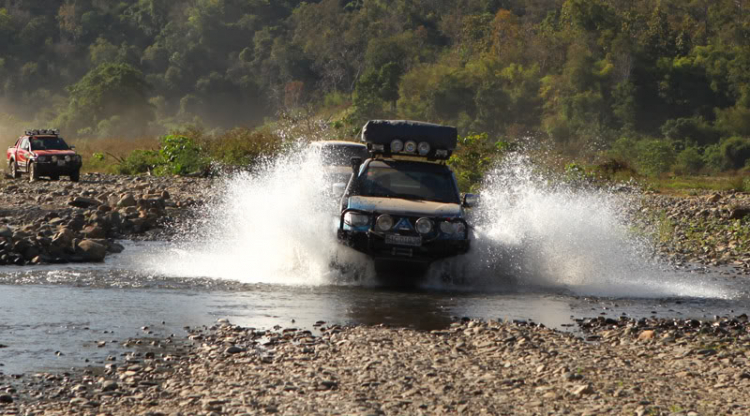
<point>409,181</point>
<point>48,143</point>
<point>341,155</point>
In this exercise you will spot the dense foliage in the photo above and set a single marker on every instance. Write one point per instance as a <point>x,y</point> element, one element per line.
<point>660,84</point>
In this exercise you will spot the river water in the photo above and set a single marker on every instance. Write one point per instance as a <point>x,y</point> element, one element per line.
<point>53,318</point>
<point>263,254</point>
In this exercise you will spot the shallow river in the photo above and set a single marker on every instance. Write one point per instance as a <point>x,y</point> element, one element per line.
<point>52,317</point>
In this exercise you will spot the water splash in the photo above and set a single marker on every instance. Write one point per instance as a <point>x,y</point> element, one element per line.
<point>275,225</point>
<point>540,233</point>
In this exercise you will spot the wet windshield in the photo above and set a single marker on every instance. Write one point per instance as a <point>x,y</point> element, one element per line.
<point>49,143</point>
<point>410,181</point>
<point>341,155</point>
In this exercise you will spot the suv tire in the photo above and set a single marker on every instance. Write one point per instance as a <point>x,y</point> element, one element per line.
<point>33,172</point>
<point>75,176</point>
<point>13,170</point>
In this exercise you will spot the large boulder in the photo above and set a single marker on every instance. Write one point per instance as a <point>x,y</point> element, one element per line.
<point>63,238</point>
<point>127,200</point>
<point>94,231</point>
<point>91,250</point>
<point>6,232</point>
<point>739,212</point>
<point>82,202</point>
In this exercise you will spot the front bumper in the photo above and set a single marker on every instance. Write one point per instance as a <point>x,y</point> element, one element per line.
<point>53,168</point>
<point>373,243</point>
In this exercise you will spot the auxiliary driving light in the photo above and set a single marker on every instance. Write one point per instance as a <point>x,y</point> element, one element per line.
<point>384,222</point>
<point>397,146</point>
<point>410,147</point>
<point>54,158</point>
<point>452,228</point>
<point>424,225</point>
<point>459,228</point>
<point>447,227</point>
<point>423,149</point>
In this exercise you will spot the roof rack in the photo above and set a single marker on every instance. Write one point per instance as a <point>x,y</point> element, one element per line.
<point>37,132</point>
<point>410,138</point>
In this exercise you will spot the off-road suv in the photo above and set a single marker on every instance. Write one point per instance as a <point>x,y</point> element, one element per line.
<point>43,153</point>
<point>403,204</point>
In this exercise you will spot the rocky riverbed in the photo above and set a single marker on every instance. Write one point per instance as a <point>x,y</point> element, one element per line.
<point>712,229</point>
<point>61,221</point>
<point>645,367</point>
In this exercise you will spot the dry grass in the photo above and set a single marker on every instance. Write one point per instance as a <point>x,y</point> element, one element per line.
<point>113,149</point>
<point>683,185</point>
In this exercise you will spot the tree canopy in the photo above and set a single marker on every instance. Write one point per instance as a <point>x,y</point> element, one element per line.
<point>584,73</point>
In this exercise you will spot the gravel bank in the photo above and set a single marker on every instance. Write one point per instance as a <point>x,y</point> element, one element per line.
<point>61,221</point>
<point>711,229</point>
<point>621,367</point>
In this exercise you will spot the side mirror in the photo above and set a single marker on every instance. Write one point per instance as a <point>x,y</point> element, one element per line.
<point>470,200</point>
<point>356,163</point>
<point>72,148</point>
<point>338,188</point>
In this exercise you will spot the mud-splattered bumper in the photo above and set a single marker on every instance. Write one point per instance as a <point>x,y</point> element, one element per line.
<point>380,245</point>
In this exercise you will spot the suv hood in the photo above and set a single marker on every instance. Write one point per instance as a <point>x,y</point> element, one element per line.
<point>408,207</point>
<point>54,152</point>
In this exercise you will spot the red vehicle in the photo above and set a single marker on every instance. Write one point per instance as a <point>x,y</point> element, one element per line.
<point>43,153</point>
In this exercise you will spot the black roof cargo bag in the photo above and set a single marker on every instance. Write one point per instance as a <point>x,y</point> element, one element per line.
<point>385,131</point>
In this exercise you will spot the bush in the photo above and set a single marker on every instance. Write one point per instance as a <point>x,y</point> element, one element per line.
<point>140,161</point>
<point>474,155</point>
<point>689,162</point>
<point>181,155</point>
<point>241,146</point>
<point>713,158</point>
<point>693,130</point>
<point>624,149</point>
<point>736,152</point>
<point>655,156</point>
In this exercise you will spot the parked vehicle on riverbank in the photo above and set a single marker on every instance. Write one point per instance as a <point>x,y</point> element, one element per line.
<point>403,206</point>
<point>43,153</point>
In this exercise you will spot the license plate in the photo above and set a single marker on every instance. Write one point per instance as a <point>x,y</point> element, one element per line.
<point>60,163</point>
<point>403,240</point>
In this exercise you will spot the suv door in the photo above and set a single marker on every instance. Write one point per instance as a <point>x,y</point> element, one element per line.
<point>23,154</point>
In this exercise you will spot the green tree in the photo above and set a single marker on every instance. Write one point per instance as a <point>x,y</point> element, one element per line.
<point>109,91</point>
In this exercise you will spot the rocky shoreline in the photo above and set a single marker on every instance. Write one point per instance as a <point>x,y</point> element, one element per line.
<point>60,221</point>
<point>712,229</point>
<point>645,367</point>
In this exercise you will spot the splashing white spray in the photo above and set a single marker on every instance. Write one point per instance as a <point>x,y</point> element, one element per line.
<point>272,226</point>
<point>542,233</point>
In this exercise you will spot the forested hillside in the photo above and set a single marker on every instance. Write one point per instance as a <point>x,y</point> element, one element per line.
<point>637,78</point>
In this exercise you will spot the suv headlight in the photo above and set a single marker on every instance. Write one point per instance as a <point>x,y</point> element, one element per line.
<point>356,220</point>
<point>424,225</point>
